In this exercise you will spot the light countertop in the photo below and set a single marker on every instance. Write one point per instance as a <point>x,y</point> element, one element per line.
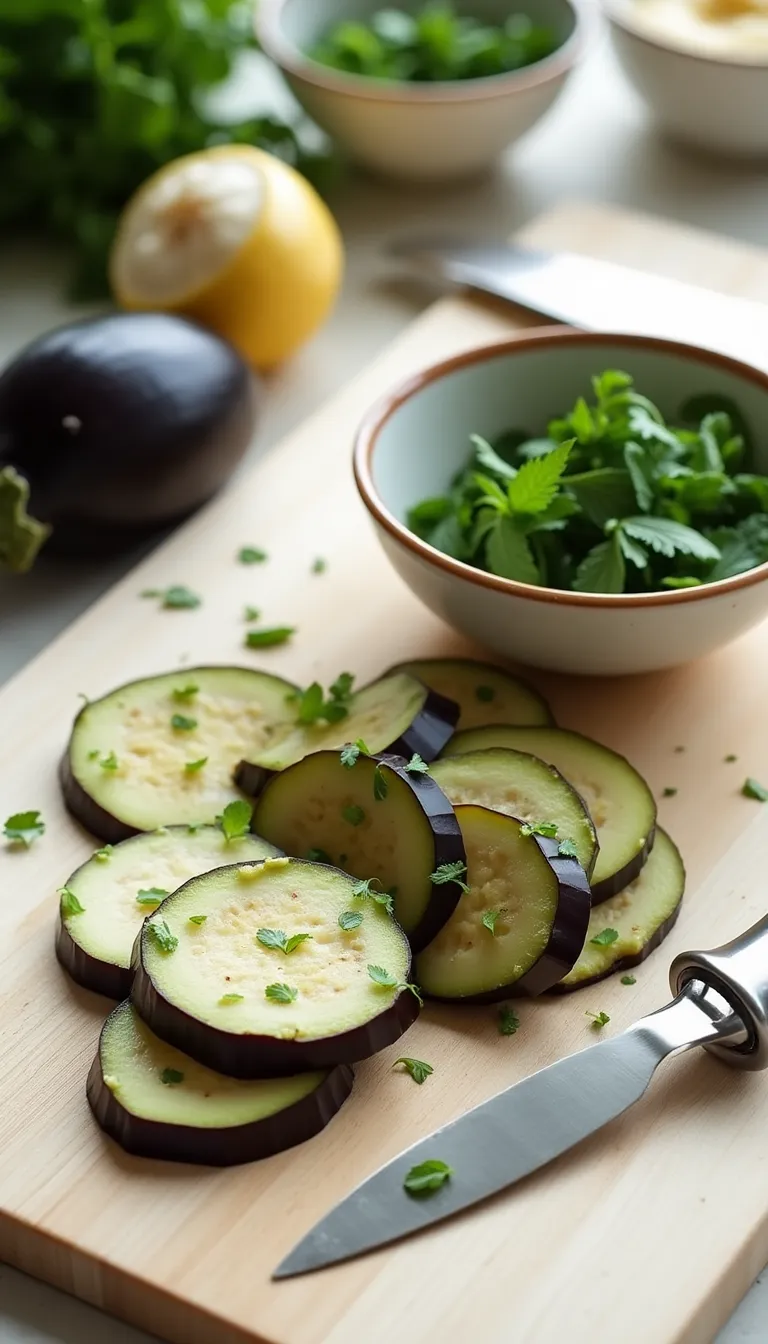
<point>594,145</point>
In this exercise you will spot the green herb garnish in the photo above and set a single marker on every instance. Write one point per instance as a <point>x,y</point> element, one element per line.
<point>628,980</point>
<point>450,872</point>
<point>251,555</point>
<point>668,792</point>
<point>751,788</point>
<point>350,919</point>
<point>314,705</point>
<point>319,565</point>
<point>730,758</point>
<point>612,498</point>
<point>281,993</point>
<point>567,849</point>
<point>351,752</point>
<point>380,786</point>
<point>353,814</point>
<point>489,921</point>
<point>416,766</point>
<point>23,828</point>
<point>319,856</point>
<point>279,941</point>
<point>381,977</point>
<point>161,936</point>
<point>432,45</point>
<point>417,1068</point>
<point>171,1077</point>
<point>104,854</point>
<point>605,937</point>
<point>231,998</point>
<point>70,905</point>
<point>109,762</point>
<point>427,1177</point>
<point>509,1022</point>
<point>235,820</point>
<point>267,639</point>
<point>180,723</point>
<point>197,919</point>
<point>362,890</point>
<point>183,694</point>
<point>251,614</point>
<point>151,896</point>
<point>599,1020</point>
<point>485,694</point>
<point>192,767</point>
<point>546,828</point>
<point>175,598</point>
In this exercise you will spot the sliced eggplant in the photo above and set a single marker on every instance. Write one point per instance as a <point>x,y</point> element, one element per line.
<point>161,751</point>
<point>397,714</point>
<point>620,803</point>
<point>375,819</point>
<point>535,904</point>
<point>642,915</point>
<point>484,693</point>
<point>215,975</point>
<point>117,888</point>
<point>157,1102</point>
<point>523,787</point>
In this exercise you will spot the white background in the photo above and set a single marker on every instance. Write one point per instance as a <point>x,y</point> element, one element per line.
<point>596,144</point>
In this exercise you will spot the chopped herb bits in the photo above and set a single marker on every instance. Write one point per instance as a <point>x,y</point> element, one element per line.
<point>319,565</point>
<point>450,872</point>
<point>181,723</point>
<point>183,694</point>
<point>197,919</point>
<point>605,937</point>
<point>751,788</point>
<point>380,786</point>
<point>161,936</point>
<point>416,766</point>
<point>281,993</point>
<point>628,980</point>
<point>251,555</point>
<point>235,820</point>
<point>176,598</point>
<point>318,856</point>
<point>23,828</point>
<point>192,767</point>
<point>508,1021</point>
<point>251,614</point>
<point>70,905</point>
<point>171,1077</point>
<point>231,998</point>
<point>669,792</point>
<point>599,1020</point>
<point>109,762</point>
<point>350,919</point>
<point>417,1068</point>
<point>427,1177</point>
<point>269,638</point>
<point>353,814</point>
<point>489,921</point>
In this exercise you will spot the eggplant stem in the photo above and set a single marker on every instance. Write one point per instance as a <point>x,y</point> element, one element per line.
<point>21,536</point>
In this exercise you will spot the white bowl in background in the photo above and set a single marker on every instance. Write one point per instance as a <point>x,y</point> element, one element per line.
<point>414,440</point>
<point>718,103</point>
<point>423,132</point>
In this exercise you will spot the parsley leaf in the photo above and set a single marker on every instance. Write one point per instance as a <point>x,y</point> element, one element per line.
<point>277,939</point>
<point>417,1068</point>
<point>751,788</point>
<point>349,755</point>
<point>23,828</point>
<point>605,937</point>
<point>235,820</point>
<point>353,814</point>
<point>450,872</point>
<point>350,919</point>
<point>70,904</point>
<point>599,1020</point>
<point>183,694</point>
<point>268,638</point>
<point>567,849</point>
<point>489,921</point>
<point>180,723</point>
<point>628,980</point>
<point>281,993</point>
<point>314,705</point>
<point>151,895</point>
<point>380,786</point>
<point>161,935</point>
<point>251,555</point>
<point>175,598</point>
<point>427,1177</point>
<point>509,1022</point>
<point>416,766</point>
<point>171,1077</point>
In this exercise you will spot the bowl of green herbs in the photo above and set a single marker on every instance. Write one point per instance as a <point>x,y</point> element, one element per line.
<point>424,90</point>
<point>582,502</point>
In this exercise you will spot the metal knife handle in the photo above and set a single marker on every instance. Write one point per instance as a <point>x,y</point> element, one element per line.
<point>738,971</point>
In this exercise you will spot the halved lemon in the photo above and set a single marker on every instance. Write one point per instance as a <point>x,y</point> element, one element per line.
<point>237,240</point>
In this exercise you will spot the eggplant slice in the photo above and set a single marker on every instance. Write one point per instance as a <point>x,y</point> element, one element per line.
<point>541,902</point>
<point>374,819</point>
<point>484,693</point>
<point>521,786</point>
<point>215,990</point>
<point>115,889</point>
<point>161,751</point>
<point>642,915</point>
<point>398,715</point>
<point>155,1101</point>
<point>620,803</point>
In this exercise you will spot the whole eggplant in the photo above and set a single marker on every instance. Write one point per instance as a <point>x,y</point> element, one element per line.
<point>113,427</point>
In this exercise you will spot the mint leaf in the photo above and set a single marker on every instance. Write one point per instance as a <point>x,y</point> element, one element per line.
<point>417,1068</point>
<point>295,940</point>
<point>427,1177</point>
<point>567,849</point>
<point>668,537</point>
<point>363,890</point>
<point>602,570</point>
<point>489,921</point>
<point>450,872</point>
<point>603,494</point>
<point>235,820</point>
<point>281,993</point>
<point>416,766</point>
<point>180,723</point>
<point>23,828</point>
<point>197,919</point>
<point>381,977</point>
<point>537,481</point>
<point>638,466</point>
<point>508,553</point>
<point>161,936</point>
<point>350,919</point>
<point>151,895</point>
<point>272,938</point>
<point>631,550</point>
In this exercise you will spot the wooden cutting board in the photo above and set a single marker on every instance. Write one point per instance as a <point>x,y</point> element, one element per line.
<point>652,1230</point>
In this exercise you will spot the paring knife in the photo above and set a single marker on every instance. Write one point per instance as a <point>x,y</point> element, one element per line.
<point>721,1003</point>
<point>598,295</point>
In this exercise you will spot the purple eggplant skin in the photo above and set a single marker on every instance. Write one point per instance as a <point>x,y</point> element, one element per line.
<point>611,886</point>
<point>429,732</point>
<point>626,963</point>
<point>122,425</point>
<point>91,816</point>
<point>228,1147</point>
<point>114,982</point>
<point>566,938</point>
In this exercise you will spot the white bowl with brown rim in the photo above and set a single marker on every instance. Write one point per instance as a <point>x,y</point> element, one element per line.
<point>422,132</point>
<point>704,80</point>
<point>417,436</point>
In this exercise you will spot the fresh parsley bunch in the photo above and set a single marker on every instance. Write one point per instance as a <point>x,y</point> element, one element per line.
<point>613,500</point>
<point>433,45</point>
<point>95,95</point>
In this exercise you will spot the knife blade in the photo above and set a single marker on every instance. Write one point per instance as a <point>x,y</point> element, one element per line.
<point>721,1002</point>
<point>598,295</point>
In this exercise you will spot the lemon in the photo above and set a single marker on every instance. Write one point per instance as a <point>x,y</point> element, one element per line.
<point>236,240</point>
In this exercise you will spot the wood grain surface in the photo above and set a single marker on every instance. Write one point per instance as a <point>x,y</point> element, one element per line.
<point>651,1231</point>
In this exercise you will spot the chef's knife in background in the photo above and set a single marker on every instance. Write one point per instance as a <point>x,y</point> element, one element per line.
<point>597,295</point>
<point>721,1003</point>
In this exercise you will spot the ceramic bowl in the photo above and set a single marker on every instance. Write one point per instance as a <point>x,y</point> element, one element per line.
<point>716,103</point>
<point>422,132</point>
<point>415,439</point>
